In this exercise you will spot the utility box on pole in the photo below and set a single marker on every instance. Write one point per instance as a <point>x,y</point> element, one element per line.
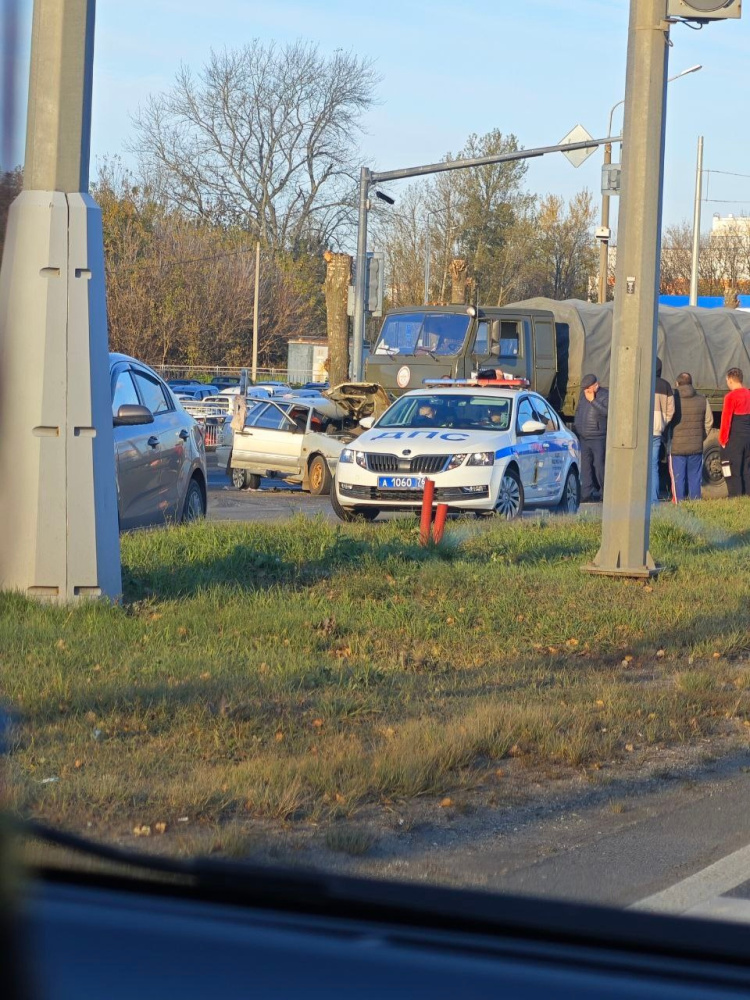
<point>374,287</point>
<point>704,10</point>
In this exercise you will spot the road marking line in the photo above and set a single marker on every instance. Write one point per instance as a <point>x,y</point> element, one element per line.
<point>722,908</point>
<point>702,887</point>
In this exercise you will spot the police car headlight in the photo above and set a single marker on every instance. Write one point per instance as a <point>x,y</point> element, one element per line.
<point>482,458</point>
<point>454,463</point>
<point>350,455</point>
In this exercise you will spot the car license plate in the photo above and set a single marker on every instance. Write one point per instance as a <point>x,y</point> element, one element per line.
<point>401,482</point>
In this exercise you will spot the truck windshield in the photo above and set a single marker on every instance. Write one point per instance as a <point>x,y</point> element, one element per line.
<point>459,412</point>
<point>423,333</point>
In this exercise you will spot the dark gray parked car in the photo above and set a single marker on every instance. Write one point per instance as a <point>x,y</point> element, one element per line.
<point>159,450</point>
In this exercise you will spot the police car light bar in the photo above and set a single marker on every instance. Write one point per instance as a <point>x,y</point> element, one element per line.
<point>505,383</point>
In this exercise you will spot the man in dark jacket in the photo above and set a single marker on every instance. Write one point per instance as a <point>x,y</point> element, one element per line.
<point>691,425</point>
<point>590,424</point>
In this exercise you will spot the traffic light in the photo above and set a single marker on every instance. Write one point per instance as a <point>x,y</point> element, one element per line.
<point>374,285</point>
<point>704,10</point>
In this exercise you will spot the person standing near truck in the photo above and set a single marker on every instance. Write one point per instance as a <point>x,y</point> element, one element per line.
<point>692,423</point>
<point>663,413</point>
<point>590,424</point>
<point>734,435</point>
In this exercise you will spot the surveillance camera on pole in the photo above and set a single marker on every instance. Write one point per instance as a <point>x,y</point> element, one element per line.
<point>704,10</point>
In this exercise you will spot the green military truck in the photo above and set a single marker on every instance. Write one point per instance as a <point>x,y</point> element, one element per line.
<point>553,345</point>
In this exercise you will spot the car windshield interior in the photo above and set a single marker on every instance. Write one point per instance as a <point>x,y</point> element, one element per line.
<point>459,412</point>
<point>423,333</point>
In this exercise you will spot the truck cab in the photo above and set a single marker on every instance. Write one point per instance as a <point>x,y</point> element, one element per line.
<point>420,342</point>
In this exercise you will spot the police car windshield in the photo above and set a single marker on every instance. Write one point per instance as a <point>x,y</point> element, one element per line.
<point>458,411</point>
<point>420,333</point>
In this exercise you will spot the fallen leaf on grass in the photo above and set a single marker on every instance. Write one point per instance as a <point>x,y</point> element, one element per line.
<point>60,644</point>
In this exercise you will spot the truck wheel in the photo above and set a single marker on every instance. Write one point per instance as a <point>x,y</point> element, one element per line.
<point>509,503</point>
<point>319,476</point>
<point>244,480</point>
<point>571,494</point>
<point>712,474</point>
<point>350,514</point>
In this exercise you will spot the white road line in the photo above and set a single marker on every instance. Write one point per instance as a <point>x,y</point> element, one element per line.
<point>701,888</point>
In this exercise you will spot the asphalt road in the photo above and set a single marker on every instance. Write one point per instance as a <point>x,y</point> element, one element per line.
<point>274,501</point>
<point>277,501</point>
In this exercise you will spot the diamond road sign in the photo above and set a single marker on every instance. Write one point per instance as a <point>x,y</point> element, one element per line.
<point>577,156</point>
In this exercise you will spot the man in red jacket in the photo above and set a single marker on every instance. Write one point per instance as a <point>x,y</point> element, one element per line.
<point>734,434</point>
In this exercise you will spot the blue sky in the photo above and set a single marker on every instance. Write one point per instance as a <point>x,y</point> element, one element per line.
<point>532,67</point>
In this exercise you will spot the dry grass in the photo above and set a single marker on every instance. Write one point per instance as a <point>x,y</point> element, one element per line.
<point>301,671</point>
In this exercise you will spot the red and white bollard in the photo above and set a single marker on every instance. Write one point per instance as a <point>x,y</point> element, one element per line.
<point>425,522</point>
<point>441,513</point>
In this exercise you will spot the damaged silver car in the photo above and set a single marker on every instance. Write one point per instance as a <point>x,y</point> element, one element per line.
<point>297,439</point>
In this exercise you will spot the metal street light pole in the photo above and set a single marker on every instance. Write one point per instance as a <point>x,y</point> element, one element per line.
<point>59,536</point>
<point>626,512</point>
<point>365,181</point>
<point>696,226</point>
<point>604,244</point>
<point>256,314</point>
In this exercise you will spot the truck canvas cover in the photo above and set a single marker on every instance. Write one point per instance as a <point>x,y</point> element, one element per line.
<point>704,342</point>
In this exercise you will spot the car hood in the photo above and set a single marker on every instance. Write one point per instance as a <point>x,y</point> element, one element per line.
<point>431,441</point>
<point>360,399</point>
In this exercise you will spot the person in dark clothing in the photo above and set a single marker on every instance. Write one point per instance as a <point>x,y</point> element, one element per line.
<point>663,413</point>
<point>691,425</point>
<point>734,434</point>
<point>590,424</point>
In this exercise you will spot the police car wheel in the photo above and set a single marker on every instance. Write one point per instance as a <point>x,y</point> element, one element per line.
<point>571,494</point>
<point>509,503</point>
<point>350,514</point>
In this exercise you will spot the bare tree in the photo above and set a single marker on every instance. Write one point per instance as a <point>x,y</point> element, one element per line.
<point>676,259</point>
<point>564,252</point>
<point>263,139</point>
<point>180,291</point>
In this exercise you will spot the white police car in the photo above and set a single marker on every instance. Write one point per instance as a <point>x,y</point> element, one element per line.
<point>490,446</point>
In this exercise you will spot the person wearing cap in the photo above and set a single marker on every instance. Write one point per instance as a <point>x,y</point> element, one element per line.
<point>734,434</point>
<point>692,423</point>
<point>663,414</point>
<point>590,424</point>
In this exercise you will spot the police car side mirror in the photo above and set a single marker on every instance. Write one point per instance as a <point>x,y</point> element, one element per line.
<point>533,427</point>
<point>367,422</point>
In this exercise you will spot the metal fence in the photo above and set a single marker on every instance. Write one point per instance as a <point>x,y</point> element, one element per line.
<point>206,372</point>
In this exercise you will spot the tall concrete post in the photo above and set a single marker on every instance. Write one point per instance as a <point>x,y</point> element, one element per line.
<point>58,530</point>
<point>627,510</point>
<point>695,256</point>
